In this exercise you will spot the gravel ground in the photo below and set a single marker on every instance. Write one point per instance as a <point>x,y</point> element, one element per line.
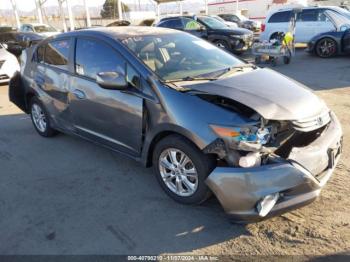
<point>67,196</point>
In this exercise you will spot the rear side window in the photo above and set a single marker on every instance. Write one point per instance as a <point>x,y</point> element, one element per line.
<point>281,17</point>
<point>173,23</point>
<point>93,57</point>
<point>310,15</point>
<point>57,53</point>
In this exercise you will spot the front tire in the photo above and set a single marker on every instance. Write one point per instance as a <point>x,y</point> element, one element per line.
<point>326,48</point>
<point>181,169</point>
<point>40,118</point>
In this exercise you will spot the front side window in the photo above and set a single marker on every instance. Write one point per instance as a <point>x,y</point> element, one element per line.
<point>310,15</point>
<point>178,55</point>
<point>93,57</point>
<point>190,24</point>
<point>57,53</point>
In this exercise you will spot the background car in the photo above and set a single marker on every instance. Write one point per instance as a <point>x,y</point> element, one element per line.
<point>228,23</point>
<point>8,64</point>
<point>41,29</point>
<point>236,40</point>
<point>17,41</point>
<point>311,21</point>
<point>334,42</point>
<point>242,21</point>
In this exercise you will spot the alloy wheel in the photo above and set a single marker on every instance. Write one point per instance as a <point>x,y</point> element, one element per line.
<point>39,118</point>
<point>326,48</point>
<point>178,172</point>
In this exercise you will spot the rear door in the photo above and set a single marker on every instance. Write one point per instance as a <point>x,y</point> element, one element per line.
<point>55,80</point>
<point>110,117</point>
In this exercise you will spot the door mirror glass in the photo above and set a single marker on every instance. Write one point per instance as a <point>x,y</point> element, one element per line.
<point>112,80</point>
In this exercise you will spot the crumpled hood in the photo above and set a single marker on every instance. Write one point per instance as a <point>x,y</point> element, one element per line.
<point>272,95</point>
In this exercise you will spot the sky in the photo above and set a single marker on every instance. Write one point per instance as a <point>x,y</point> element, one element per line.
<point>28,5</point>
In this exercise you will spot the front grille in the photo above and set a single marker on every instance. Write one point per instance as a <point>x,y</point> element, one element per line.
<point>311,124</point>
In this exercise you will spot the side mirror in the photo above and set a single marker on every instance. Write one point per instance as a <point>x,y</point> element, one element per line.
<point>112,80</point>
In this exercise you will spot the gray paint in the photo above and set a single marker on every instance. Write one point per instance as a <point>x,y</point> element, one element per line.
<point>128,121</point>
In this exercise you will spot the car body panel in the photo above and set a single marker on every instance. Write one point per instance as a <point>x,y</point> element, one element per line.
<point>305,30</point>
<point>8,65</point>
<point>271,94</point>
<point>239,190</point>
<point>342,40</point>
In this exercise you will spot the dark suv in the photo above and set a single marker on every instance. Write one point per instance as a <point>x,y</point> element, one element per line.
<point>235,40</point>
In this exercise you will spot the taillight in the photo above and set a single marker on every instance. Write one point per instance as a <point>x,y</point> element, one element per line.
<point>263,27</point>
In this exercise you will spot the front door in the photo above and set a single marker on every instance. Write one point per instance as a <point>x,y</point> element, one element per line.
<point>110,117</point>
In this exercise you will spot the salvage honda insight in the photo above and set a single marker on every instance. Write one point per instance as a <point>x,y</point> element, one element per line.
<point>207,121</point>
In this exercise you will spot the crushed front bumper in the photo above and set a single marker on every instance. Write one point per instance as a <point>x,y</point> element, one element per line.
<point>297,180</point>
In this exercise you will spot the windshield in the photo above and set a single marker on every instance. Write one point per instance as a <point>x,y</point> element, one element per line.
<point>342,11</point>
<point>179,56</point>
<point>212,22</point>
<point>44,28</point>
<point>338,19</point>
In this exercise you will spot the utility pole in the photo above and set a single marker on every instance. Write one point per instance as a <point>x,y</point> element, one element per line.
<point>120,11</point>
<point>70,15</point>
<point>62,15</point>
<point>38,10</point>
<point>14,7</point>
<point>88,21</point>
<point>206,6</point>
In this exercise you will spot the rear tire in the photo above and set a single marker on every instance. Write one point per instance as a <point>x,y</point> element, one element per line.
<point>183,181</point>
<point>40,118</point>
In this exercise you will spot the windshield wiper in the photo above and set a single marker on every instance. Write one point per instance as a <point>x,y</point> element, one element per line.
<point>190,78</point>
<point>235,69</point>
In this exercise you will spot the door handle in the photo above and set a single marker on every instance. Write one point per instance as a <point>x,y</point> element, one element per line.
<point>79,94</point>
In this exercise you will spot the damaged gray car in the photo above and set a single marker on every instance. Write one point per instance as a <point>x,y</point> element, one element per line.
<point>208,122</point>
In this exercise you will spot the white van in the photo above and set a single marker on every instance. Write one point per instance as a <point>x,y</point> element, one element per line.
<point>310,22</point>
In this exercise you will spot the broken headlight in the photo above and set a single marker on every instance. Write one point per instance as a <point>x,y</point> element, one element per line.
<point>251,134</point>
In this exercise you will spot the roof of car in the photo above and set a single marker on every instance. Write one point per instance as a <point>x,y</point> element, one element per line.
<point>122,32</point>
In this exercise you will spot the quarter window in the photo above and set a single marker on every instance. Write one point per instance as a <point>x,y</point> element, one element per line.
<point>57,53</point>
<point>281,17</point>
<point>93,57</point>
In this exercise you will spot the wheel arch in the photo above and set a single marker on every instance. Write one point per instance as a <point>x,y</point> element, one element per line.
<point>150,143</point>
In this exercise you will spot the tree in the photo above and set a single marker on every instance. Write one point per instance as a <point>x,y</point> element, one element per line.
<point>110,9</point>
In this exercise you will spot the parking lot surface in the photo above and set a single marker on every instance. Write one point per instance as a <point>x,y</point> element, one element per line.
<point>68,196</point>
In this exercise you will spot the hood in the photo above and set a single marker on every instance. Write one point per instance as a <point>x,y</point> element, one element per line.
<point>272,95</point>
